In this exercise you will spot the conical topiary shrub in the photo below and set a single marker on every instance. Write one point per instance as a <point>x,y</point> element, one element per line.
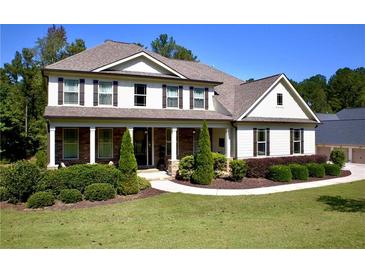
<point>128,167</point>
<point>204,170</point>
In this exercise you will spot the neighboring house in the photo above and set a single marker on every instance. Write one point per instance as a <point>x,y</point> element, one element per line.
<point>344,130</point>
<point>94,96</point>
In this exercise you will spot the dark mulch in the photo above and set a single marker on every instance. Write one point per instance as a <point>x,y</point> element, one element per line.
<point>224,183</point>
<point>85,204</point>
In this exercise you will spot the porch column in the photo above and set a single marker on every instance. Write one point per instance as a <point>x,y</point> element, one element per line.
<point>227,143</point>
<point>131,133</point>
<point>350,155</point>
<point>173,144</point>
<point>92,144</point>
<point>52,147</point>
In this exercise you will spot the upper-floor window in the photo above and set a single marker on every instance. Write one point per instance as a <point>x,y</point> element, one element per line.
<point>297,141</point>
<point>279,99</point>
<point>140,95</point>
<point>105,93</point>
<point>71,92</point>
<point>172,97</point>
<point>198,98</point>
<point>261,142</point>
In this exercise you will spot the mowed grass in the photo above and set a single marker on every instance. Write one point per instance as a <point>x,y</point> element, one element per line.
<point>283,220</point>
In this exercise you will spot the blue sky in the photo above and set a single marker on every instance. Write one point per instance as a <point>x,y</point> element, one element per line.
<point>245,51</point>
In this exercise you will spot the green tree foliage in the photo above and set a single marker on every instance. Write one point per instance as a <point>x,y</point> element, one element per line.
<point>204,170</point>
<point>166,46</point>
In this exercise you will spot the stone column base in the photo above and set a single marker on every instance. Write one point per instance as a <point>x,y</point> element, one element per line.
<point>228,166</point>
<point>172,167</point>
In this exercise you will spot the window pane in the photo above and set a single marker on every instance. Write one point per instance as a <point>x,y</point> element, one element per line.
<point>105,135</point>
<point>261,149</point>
<point>105,99</point>
<point>198,103</point>
<point>71,98</point>
<point>171,91</point>
<point>279,99</point>
<point>296,135</point>
<point>70,151</point>
<point>261,135</point>
<point>140,89</point>
<point>139,100</point>
<point>296,147</point>
<point>70,135</point>
<point>199,93</point>
<point>71,85</point>
<point>172,102</point>
<point>105,87</point>
<point>105,150</point>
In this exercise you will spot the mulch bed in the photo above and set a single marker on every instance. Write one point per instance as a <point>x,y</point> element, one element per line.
<point>86,204</point>
<point>246,183</point>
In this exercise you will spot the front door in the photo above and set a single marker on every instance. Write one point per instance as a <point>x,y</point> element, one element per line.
<point>142,146</point>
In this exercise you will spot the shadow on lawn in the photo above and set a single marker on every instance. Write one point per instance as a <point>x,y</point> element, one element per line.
<point>337,203</point>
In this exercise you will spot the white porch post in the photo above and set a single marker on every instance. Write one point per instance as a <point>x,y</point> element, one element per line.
<point>173,144</point>
<point>350,155</point>
<point>131,133</point>
<point>227,142</point>
<point>52,147</point>
<point>92,145</point>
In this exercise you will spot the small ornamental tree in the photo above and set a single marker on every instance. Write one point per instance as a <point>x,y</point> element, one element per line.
<point>128,167</point>
<point>337,157</point>
<point>204,170</point>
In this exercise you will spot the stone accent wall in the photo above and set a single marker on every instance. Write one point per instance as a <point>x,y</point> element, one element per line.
<point>173,167</point>
<point>117,139</point>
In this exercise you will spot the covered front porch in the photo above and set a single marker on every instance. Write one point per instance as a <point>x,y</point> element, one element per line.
<point>156,144</point>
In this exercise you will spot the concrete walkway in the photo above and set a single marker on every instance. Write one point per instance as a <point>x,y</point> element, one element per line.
<point>357,170</point>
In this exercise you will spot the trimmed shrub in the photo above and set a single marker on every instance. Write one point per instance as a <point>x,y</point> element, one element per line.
<point>78,177</point>
<point>99,192</point>
<point>21,179</point>
<point>40,199</point>
<point>186,167</point>
<point>257,168</point>
<point>299,172</point>
<point>4,194</point>
<point>41,157</point>
<point>143,183</point>
<point>316,170</point>
<point>337,157</point>
<point>69,196</point>
<point>280,173</point>
<point>238,170</point>
<point>203,170</point>
<point>219,163</point>
<point>3,175</point>
<point>127,160</point>
<point>128,186</point>
<point>332,169</point>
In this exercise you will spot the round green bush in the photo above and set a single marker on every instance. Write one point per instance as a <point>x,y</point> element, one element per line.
<point>143,183</point>
<point>238,170</point>
<point>219,163</point>
<point>21,179</point>
<point>41,157</point>
<point>128,185</point>
<point>4,194</point>
<point>186,167</point>
<point>299,172</point>
<point>332,170</point>
<point>315,170</point>
<point>52,180</point>
<point>337,157</point>
<point>99,192</point>
<point>40,199</point>
<point>280,173</point>
<point>69,196</point>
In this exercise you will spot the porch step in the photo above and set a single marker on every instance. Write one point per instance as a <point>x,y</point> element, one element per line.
<point>155,175</point>
<point>147,170</point>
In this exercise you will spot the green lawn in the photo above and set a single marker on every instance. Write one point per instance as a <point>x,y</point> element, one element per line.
<point>284,220</point>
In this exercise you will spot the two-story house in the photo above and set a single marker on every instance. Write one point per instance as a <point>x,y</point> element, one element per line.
<point>94,96</point>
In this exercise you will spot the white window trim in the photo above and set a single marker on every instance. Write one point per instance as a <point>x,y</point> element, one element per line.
<point>297,141</point>
<point>169,141</point>
<point>261,142</point>
<point>203,107</point>
<point>134,95</point>
<point>78,92</point>
<point>105,105</point>
<point>99,157</point>
<point>177,96</point>
<point>63,144</point>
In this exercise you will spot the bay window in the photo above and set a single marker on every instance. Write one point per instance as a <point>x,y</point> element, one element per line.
<point>71,92</point>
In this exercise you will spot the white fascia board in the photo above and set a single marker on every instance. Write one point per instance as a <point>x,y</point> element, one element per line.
<point>142,53</point>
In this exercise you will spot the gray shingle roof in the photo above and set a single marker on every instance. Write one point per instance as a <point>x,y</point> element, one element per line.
<point>351,113</point>
<point>326,116</point>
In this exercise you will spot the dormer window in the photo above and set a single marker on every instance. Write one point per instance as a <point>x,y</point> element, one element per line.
<point>172,96</point>
<point>71,92</point>
<point>279,99</point>
<point>105,93</point>
<point>198,98</point>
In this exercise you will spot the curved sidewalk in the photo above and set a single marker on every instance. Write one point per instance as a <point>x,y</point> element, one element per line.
<point>357,173</point>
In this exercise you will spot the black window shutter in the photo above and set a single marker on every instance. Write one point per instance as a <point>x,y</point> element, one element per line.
<point>82,92</point>
<point>191,97</point>
<point>60,91</point>
<point>255,142</point>
<point>206,98</point>
<point>302,140</point>
<point>163,96</point>
<point>96,86</point>
<point>180,97</point>
<point>291,141</point>
<point>268,142</point>
<point>115,93</point>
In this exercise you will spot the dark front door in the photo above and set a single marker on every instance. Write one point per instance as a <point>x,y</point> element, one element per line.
<point>142,146</point>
